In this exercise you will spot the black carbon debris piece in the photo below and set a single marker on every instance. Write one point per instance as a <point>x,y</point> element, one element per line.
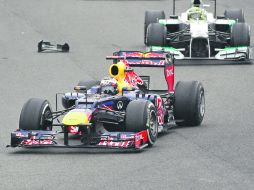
<point>48,47</point>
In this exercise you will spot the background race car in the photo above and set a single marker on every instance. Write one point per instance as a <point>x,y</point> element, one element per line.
<point>197,33</point>
<point>119,111</point>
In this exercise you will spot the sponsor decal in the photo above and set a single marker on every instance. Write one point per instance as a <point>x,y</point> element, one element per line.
<point>146,62</point>
<point>19,134</point>
<point>123,144</point>
<point>160,111</point>
<point>141,138</point>
<point>119,105</point>
<point>73,129</point>
<point>153,54</point>
<point>133,54</point>
<point>169,72</point>
<point>37,142</point>
<point>107,107</point>
<point>169,76</point>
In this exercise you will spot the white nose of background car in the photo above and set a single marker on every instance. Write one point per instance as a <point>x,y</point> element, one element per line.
<point>199,30</point>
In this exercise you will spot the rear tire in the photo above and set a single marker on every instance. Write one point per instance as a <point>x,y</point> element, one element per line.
<point>152,17</point>
<point>36,114</point>
<point>189,106</point>
<point>240,35</point>
<point>235,14</point>
<point>156,35</point>
<point>141,115</point>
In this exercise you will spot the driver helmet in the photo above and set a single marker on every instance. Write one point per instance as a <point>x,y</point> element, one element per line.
<point>108,85</point>
<point>196,3</point>
<point>196,13</point>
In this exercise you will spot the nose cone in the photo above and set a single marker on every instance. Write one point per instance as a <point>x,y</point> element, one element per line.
<point>77,117</point>
<point>199,30</point>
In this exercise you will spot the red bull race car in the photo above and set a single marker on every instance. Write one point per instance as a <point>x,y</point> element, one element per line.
<point>118,112</point>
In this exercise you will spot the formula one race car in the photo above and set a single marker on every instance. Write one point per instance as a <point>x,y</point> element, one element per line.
<point>197,34</point>
<point>119,111</point>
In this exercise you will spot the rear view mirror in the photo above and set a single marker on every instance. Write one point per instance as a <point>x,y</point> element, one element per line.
<point>130,88</point>
<point>80,88</point>
<point>206,5</point>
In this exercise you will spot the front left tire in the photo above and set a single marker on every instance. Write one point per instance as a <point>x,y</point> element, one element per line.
<point>235,14</point>
<point>240,35</point>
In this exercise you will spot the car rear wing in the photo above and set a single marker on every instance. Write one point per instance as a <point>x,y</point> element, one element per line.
<point>113,57</point>
<point>142,59</point>
<point>148,59</point>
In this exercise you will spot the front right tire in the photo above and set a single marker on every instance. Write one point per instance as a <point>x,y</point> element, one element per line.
<point>36,114</point>
<point>156,35</point>
<point>152,17</point>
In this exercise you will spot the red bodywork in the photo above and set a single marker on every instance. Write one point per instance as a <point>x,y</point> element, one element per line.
<point>138,139</point>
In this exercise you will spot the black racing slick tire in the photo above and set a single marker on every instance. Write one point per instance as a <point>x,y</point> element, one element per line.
<point>240,35</point>
<point>156,34</point>
<point>141,115</point>
<point>235,14</point>
<point>189,103</point>
<point>152,17</point>
<point>36,114</point>
<point>88,83</point>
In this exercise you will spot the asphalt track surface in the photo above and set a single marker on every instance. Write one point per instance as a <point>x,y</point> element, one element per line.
<point>217,155</point>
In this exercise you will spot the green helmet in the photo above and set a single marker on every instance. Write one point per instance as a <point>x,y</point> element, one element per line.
<point>196,13</point>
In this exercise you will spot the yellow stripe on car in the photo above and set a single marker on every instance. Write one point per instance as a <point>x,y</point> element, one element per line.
<point>76,118</point>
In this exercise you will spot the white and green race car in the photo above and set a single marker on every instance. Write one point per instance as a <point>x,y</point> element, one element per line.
<point>199,34</point>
